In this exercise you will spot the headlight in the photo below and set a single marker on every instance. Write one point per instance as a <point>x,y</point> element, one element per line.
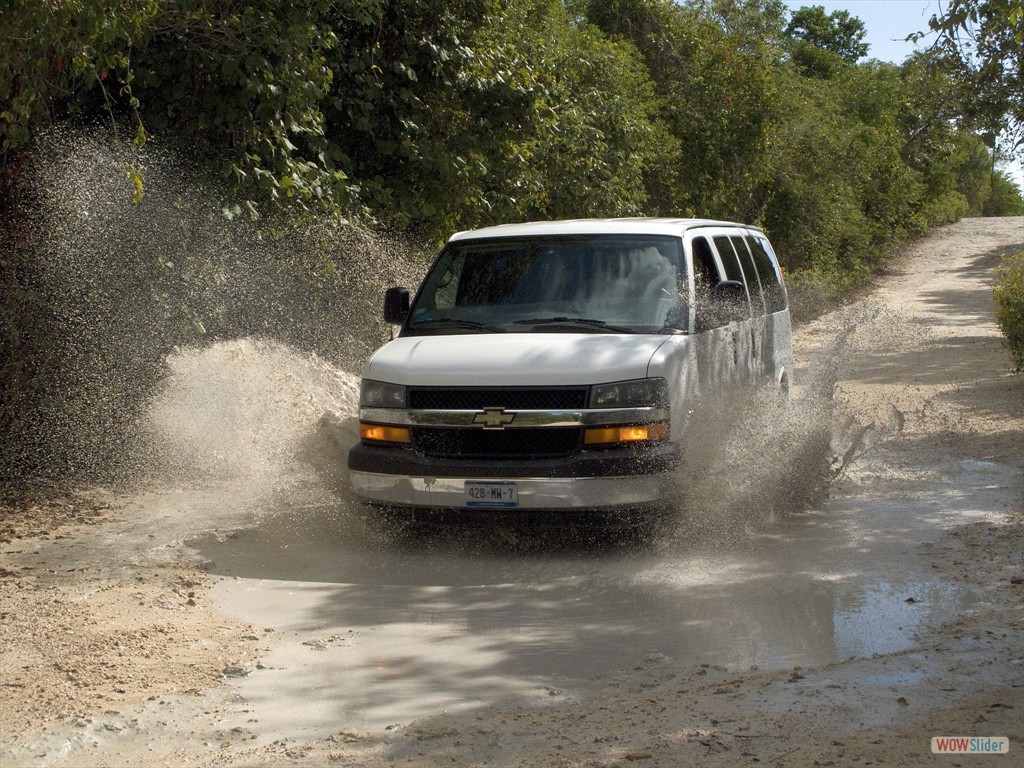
<point>380,394</point>
<point>639,393</point>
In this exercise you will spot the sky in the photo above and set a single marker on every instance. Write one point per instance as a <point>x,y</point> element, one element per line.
<point>888,22</point>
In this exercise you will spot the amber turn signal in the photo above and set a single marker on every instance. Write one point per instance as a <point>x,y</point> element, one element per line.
<point>636,434</point>
<point>379,433</point>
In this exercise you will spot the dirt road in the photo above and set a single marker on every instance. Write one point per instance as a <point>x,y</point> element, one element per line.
<point>250,614</point>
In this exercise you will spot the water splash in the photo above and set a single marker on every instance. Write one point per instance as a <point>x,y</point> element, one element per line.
<point>246,410</point>
<point>759,453</point>
<point>120,296</point>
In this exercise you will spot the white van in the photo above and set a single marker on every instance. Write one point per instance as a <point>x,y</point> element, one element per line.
<point>556,365</point>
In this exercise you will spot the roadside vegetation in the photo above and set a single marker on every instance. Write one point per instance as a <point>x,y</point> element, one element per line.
<point>1009,296</point>
<point>440,114</point>
<point>421,117</point>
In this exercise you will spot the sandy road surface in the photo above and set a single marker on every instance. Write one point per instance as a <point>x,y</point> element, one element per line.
<point>263,622</point>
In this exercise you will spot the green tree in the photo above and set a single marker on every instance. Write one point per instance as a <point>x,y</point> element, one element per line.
<point>934,142</point>
<point>423,113</point>
<point>239,82</point>
<point>718,97</point>
<point>53,53</point>
<point>451,114</point>
<point>596,142</point>
<point>1004,197</point>
<point>838,32</point>
<point>822,43</point>
<point>761,20</point>
<point>986,38</point>
<point>245,85</point>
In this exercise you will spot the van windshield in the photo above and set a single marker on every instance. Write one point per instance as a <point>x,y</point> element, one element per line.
<point>594,283</point>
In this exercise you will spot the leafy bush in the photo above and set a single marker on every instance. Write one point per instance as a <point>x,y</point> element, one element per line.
<point>240,84</point>
<point>1004,197</point>
<point>1009,296</point>
<point>435,115</point>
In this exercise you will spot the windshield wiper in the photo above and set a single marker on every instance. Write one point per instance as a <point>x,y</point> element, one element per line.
<point>458,322</point>
<point>599,325</point>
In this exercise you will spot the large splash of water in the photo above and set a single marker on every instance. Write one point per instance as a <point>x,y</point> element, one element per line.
<point>246,410</point>
<point>173,334</point>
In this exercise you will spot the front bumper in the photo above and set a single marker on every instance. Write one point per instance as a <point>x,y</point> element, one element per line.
<point>590,480</point>
<point>578,493</point>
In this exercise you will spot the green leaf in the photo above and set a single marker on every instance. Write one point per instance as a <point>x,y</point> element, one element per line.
<point>135,179</point>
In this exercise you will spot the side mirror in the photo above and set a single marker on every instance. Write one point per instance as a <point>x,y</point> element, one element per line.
<point>729,291</point>
<point>396,305</point>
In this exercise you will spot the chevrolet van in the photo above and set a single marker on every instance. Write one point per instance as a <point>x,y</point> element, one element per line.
<point>557,365</point>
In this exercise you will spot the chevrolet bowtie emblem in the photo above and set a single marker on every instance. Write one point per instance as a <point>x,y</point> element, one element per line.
<point>494,418</point>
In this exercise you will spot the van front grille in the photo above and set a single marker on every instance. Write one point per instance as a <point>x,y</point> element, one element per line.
<point>513,399</point>
<point>458,443</point>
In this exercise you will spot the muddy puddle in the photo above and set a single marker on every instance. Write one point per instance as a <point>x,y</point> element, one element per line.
<point>375,626</point>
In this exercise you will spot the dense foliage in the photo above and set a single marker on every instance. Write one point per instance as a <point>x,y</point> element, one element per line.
<point>439,114</point>
<point>1009,296</point>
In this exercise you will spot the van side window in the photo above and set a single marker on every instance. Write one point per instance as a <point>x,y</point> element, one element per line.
<point>730,263</point>
<point>754,281</point>
<point>705,278</point>
<point>704,270</point>
<point>774,293</point>
<point>722,306</point>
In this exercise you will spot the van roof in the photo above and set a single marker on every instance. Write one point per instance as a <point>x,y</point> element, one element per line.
<point>633,226</point>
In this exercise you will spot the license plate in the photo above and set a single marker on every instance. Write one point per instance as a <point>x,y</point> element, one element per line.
<point>492,494</point>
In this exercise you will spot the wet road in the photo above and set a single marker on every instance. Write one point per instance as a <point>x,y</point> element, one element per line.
<point>371,630</point>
